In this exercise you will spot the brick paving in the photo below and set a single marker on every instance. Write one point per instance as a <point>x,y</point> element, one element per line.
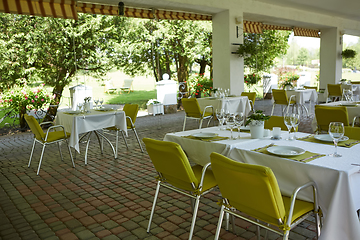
<point>109,198</point>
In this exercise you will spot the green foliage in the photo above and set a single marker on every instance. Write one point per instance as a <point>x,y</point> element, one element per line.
<point>287,77</point>
<point>135,97</point>
<point>257,116</point>
<point>199,84</point>
<point>260,50</point>
<point>22,99</point>
<point>348,53</point>
<point>303,57</point>
<point>251,79</point>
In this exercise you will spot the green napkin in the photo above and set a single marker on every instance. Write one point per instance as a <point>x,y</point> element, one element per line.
<point>348,143</point>
<point>305,157</point>
<point>213,139</point>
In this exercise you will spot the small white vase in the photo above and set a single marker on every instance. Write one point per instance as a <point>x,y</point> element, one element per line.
<point>288,87</point>
<point>257,130</point>
<point>86,106</point>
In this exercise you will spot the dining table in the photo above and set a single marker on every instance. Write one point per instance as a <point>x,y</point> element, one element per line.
<point>337,179</point>
<point>302,96</point>
<point>92,121</point>
<point>353,109</point>
<point>234,104</point>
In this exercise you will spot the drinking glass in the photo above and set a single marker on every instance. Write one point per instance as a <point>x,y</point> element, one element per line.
<point>80,106</point>
<point>288,123</point>
<point>295,120</point>
<point>230,121</point>
<point>96,101</point>
<point>336,131</point>
<point>220,115</point>
<point>239,121</point>
<point>101,102</point>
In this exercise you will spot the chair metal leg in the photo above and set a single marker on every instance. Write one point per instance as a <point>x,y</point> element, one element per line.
<point>184,123</point>
<point>137,138</point>
<point>272,111</point>
<point>200,124</point>
<point>32,151</point>
<point>196,207</point>
<point>153,206</point>
<point>87,147</point>
<point>61,156</point>
<point>116,144</point>
<point>218,228</point>
<point>123,135</point>
<point>41,157</point>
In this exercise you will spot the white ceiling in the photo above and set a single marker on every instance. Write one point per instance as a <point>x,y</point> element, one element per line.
<point>349,9</point>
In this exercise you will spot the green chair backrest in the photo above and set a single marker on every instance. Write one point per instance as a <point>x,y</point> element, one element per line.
<point>334,89</point>
<point>170,160</point>
<point>311,87</point>
<point>251,96</point>
<point>131,110</point>
<point>191,107</point>
<point>280,96</point>
<point>252,189</point>
<point>275,121</point>
<point>327,114</point>
<point>352,132</point>
<point>35,127</point>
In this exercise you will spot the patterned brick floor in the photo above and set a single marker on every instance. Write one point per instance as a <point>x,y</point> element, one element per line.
<point>107,199</point>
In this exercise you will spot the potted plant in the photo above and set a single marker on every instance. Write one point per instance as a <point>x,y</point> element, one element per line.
<point>348,53</point>
<point>256,123</point>
<point>154,107</point>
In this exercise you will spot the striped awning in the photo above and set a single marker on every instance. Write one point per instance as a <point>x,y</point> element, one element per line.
<point>306,32</point>
<point>44,8</point>
<point>140,13</point>
<point>252,27</point>
<point>258,27</point>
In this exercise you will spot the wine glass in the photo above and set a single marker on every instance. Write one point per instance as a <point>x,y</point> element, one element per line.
<point>295,120</point>
<point>96,101</point>
<point>288,123</point>
<point>336,132</point>
<point>239,121</point>
<point>101,102</point>
<point>231,122</point>
<point>220,115</point>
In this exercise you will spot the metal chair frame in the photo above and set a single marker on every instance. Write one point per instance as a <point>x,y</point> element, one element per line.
<point>44,143</point>
<point>192,195</point>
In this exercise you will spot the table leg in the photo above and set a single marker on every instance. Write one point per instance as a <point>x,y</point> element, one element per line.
<point>103,136</point>
<point>87,147</point>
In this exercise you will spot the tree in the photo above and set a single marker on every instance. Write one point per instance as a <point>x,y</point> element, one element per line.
<point>260,50</point>
<point>303,57</point>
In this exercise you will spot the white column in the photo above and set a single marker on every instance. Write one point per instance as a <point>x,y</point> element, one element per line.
<point>330,57</point>
<point>228,68</point>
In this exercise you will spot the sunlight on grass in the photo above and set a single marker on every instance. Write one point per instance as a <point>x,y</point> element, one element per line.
<point>135,97</point>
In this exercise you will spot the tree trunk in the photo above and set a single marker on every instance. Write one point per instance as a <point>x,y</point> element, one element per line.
<point>22,121</point>
<point>54,104</point>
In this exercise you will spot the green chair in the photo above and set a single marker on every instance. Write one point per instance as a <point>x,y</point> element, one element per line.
<point>280,98</point>
<point>47,138</point>
<point>175,173</point>
<point>334,92</point>
<point>352,132</point>
<point>311,87</point>
<point>253,190</point>
<point>275,121</point>
<point>192,111</point>
<point>131,111</point>
<point>251,96</point>
<point>326,114</point>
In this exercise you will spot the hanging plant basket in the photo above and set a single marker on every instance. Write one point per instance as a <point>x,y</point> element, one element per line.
<point>348,53</point>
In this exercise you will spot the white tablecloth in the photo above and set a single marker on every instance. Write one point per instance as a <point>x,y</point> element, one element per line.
<point>352,111</point>
<point>233,104</point>
<point>95,120</point>
<point>301,96</point>
<point>337,180</point>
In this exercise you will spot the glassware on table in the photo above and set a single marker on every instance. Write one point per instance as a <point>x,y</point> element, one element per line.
<point>220,115</point>
<point>239,121</point>
<point>96,101</point>
<point>288,123</point>
<point>101,102</point>
<point>336,132</point>
<point>295,120</point>
<point>80,107</point>
<point>230,121</point>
